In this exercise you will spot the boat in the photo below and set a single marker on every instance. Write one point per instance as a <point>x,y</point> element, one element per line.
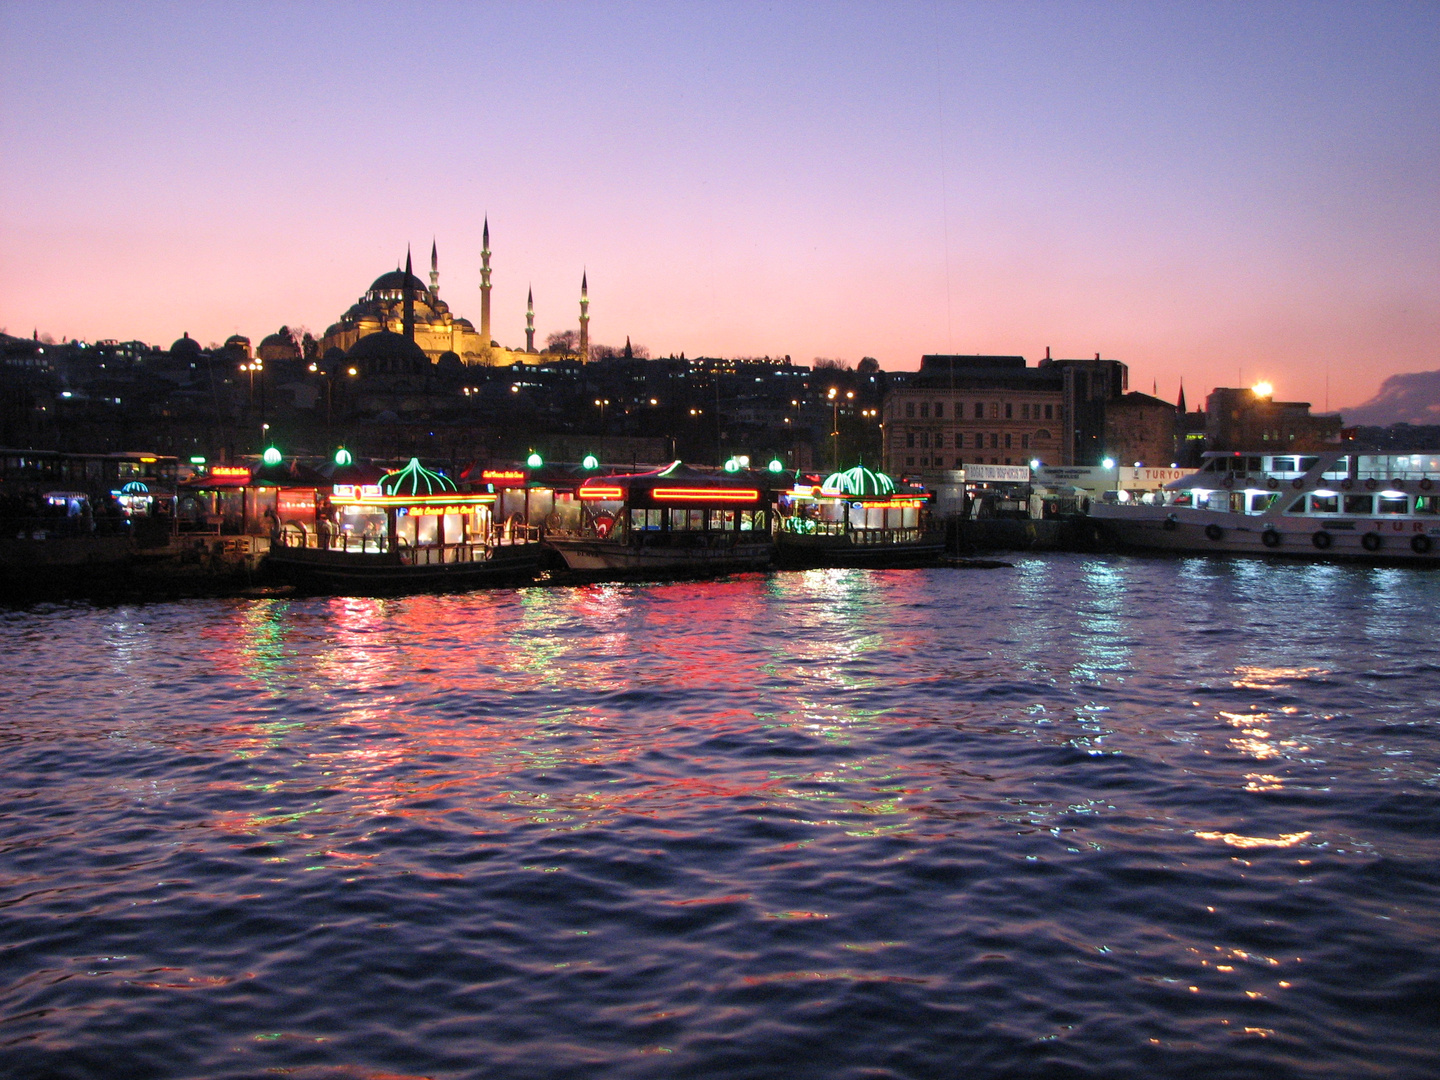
<point>413,530</point>
<point>855,518</point>
<point>1327,505</point>
<point>674,522</point>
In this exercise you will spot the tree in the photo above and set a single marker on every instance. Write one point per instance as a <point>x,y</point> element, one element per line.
<point>562,341</point>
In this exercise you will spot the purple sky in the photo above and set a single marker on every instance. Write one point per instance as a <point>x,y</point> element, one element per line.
<point>1217,192</point>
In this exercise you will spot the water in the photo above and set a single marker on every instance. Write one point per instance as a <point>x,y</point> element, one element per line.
<point>1089,817</point>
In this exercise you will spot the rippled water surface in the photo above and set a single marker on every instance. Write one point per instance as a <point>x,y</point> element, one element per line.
<point>1087,817</point>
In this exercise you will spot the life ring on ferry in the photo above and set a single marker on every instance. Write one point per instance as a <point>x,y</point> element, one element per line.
<point>1228,482</point>
<point>1426,483</point>
<point>1272,483</point>
<point>1322,539</point>
<point>1270,538</point>
<point>1420,544</point>
<point>1214,532</point>
<point>1371,541</point>
<point>1298,483</point>
<point>1347,484</point>
<point>1371,484</point>
<point>1170,524</point>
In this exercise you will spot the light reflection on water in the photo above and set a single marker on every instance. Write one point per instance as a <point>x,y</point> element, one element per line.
<point>1090,817</point>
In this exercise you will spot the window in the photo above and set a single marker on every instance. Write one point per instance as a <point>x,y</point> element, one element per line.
<point>1008,437</point>
<point>909,410</point>
<point>1009,411</point>
<point>1324,504</point>
<point>979,410</point>
<point>994,410</point>
<point>959,462</point>
<point>939,410</point>
<point>1394,504</point>
<point>925,440</point>
<point>910,440</point>
<point>939,441</point>
<point>1042,434</point>
<point>1360,504</point>
<point>1024,442</point>
<point>1049,412</point>
<point>924,410</point>
<point>909,461</point>
<point>1025,411</point>
<point>1427,504</point>
<point>994,445</point>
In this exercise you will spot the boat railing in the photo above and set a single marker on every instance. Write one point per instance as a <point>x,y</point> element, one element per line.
<point>439,554</point>
<point>866,537</point>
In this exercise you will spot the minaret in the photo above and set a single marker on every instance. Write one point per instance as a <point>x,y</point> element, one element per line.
<point>584,318</point>
<point>434,271</point>
<point>409,300</point>
<point>485,285</point>
<point>530,321</point>
<point>1180,405</point>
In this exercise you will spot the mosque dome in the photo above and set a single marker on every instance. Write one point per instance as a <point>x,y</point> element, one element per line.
<point>386,350</point>
<point>185,346</point>
<point>278,346</point>
<point>395,281</point>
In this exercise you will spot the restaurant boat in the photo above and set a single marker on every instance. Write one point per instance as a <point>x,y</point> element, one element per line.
<point>1325,505</point>
<point>676,522</point>
<point>855,518</point>
<point>412,530</point>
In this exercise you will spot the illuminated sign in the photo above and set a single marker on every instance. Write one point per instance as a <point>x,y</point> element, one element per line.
<point>602,493</point>
<point>230,470</point>
<point>502,474</point>
<point>343,491</point>
<point>706,494</point>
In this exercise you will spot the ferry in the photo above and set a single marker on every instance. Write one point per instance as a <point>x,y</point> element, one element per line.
<point>674,522</point>
<point>854,518</point>
<point>1332,504</point>
<point>412,530</point>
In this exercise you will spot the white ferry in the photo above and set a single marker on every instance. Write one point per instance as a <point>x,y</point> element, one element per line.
<point>1323,505</point>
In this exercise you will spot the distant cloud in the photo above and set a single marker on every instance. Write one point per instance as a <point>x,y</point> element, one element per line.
<point>1413,398</point>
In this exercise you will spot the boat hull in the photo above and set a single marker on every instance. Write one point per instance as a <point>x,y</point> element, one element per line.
<point>1189,531</point>
<point>800,551</point>
<point>604,557</point>
<point>369,573</point>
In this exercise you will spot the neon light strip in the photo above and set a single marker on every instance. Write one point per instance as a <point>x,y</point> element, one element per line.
<point>410,500</point>
<point>602,493</point>
<point>706,494</point>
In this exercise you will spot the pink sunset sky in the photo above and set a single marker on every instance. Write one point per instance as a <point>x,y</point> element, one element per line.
<point>1213,192</point>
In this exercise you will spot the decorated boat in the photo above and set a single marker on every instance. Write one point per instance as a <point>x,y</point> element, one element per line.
<point>674,522</point>
<point>1323,505</point>
<point>412,530</point>
<point>855,518</point>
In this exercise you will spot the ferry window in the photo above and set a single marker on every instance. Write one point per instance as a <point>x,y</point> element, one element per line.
<point>939,410</point>
<point>1324,504</point>
<point>1307,463</point>
<point>1264,501</point>
<point>979,410</point>
<point>1252,464</point>
<point>679,520</point>
<point>910,410</point>
<point>1394,504</point>
<point>1427,504</point>
<point>723,519</point>
<point>1359,504</point>
<point>924,410</point>
<point>747,520</point>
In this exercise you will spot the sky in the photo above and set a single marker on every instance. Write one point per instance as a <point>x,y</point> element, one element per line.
<point>1210,192</point>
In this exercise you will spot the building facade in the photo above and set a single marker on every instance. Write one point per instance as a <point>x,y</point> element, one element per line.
<point>996,410</point>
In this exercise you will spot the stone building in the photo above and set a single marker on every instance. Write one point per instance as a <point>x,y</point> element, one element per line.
<point>1253,420</point>
<point>996,410</point>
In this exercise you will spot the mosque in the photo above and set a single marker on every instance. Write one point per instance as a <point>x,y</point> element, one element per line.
<point>399,303</point>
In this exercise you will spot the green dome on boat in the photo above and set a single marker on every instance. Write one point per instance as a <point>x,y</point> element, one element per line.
<point>415,479</point>
<point>858,481</point>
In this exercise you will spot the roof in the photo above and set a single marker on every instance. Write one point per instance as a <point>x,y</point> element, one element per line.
<point>395,280</point>
<point>415,479</point>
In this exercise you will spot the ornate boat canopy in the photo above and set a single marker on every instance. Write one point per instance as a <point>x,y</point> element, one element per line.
<point>414,479</point>
<point>858,482</point>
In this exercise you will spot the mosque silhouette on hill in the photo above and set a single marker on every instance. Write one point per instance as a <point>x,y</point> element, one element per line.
<point>400,322</point>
